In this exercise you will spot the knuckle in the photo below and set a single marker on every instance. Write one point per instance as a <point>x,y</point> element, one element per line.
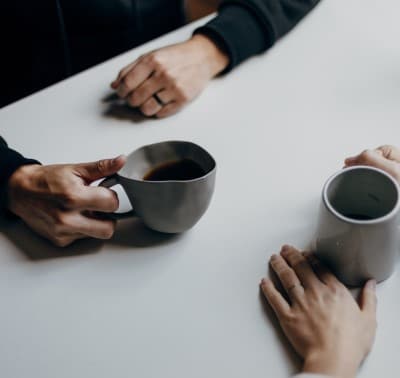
<point>154,60</point>
<point>126,82</point>
<point>134,99</point>
<point>110,199</point>
<point>295,260</point>
<point>61,241</point>
<point>102,166</point>
<point>108,232</point>
<point>366,155</point>
<point>70,199</point>
<point>286,274</point>
<point>59,220</point>
<point>146,110</point>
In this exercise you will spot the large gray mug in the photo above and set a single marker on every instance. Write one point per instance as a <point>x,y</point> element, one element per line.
<point>357,234</point>
<point>170,206</point>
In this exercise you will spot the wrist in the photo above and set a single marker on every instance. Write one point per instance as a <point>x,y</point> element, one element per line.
<point>216,59</point>
<point>331,363</point>
<point>19,182</point>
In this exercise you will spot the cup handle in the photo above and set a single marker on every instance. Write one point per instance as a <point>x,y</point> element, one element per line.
<point>109,182</point>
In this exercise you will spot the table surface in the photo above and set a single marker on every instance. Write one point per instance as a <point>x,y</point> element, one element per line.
<point>149,305</point>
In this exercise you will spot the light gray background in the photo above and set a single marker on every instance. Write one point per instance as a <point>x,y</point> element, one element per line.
<point>144,305</point>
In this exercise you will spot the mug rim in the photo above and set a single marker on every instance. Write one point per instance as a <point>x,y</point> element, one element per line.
<point>391,214</point>
<point>209,173</point>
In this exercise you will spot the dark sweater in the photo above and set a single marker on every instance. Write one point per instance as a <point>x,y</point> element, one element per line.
<point>10,161</point>
<point>57,38</point>
<point>244,28</point>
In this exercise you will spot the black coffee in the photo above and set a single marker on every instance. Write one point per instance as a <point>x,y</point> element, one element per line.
<point>180,170</point>
<point>358,216</point>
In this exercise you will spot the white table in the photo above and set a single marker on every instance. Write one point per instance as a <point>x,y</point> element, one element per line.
<point>150,306</point>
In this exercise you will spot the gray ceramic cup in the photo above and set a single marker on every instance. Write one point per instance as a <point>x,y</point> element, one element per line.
<point>166,206</point>
<point>357,233</point>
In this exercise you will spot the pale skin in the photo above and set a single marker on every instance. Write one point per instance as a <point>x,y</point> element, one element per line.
<point>57,202</point>
<point>385,157</point>
<point>326,326</point>
<point>175,74</point>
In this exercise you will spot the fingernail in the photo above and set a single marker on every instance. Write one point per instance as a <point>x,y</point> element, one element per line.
<point>262,282</point>
<point>273,257</point>
<point>116,159</point>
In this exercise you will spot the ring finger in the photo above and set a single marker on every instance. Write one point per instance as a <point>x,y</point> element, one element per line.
<point>147,89</point>
<point>287,277</point>
<point>166,96</point>
<point>151,107</point>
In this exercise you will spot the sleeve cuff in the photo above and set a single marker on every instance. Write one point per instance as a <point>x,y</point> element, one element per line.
<point>10,161</point>
<point>236,31</point>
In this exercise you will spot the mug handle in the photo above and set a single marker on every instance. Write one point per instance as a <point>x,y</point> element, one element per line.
<point>109,182</point>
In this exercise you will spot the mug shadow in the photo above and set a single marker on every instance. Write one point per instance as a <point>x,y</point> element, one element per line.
<point>118,109</point>
<point>36,248</point>
<point>131,232</point>
<point>271,318</point>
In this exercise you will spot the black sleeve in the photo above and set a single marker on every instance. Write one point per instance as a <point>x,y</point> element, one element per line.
<point>244,28</point>
<point>10,161</point>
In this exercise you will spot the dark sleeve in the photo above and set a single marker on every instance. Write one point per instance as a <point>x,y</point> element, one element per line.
<point>244,28</point>
<point>10,161</point>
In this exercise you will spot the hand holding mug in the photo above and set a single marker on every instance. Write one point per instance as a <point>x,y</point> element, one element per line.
<point>325,325</point>
<point>169,184</point>
<point>57,202</point>
<point>385,157</point>
<point>161,82</point>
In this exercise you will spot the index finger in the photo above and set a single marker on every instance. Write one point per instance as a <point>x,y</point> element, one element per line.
<point>123,73</point>
<point>136,76</point>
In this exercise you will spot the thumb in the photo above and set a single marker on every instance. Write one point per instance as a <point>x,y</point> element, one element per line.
<point>368,298</point>
<point>101,168</point>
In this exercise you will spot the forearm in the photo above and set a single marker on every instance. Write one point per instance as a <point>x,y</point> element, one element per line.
<point>244,28</point>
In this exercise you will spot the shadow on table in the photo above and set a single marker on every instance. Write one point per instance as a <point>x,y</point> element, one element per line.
<point>271,318</point>
<point>129,233</point>
<point>34,247</point>
<point>118,109</point>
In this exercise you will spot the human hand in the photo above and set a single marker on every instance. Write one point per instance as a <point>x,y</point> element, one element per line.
<point>57,202</point>
<point>386,158</point>
<point>162,82</point>
<point>322,321</point>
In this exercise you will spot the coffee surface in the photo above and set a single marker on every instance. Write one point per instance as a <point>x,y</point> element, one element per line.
<point>179,170</point>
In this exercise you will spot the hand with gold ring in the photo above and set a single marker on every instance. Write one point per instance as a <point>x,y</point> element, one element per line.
<point>325,325</point>
<point>162,82</point>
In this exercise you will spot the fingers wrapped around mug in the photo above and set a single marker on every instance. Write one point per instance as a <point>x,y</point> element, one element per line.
<point>385,157</point>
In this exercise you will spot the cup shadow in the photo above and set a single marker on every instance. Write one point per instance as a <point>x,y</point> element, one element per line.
<point>131,232</point>
<point>118,109</point>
